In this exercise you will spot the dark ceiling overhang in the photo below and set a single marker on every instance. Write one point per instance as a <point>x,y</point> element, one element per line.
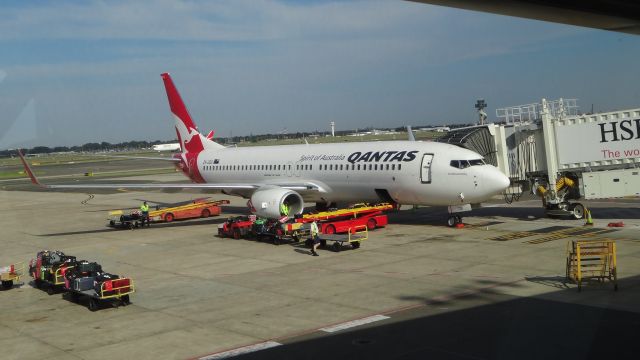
<point>612,15</point>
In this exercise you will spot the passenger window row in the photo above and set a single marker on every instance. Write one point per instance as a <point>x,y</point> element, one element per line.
<point>254,167</point>
<point>360,167</point>
<point>306,167</point>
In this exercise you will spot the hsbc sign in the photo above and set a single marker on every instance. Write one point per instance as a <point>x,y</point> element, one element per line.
<point>598,140</point>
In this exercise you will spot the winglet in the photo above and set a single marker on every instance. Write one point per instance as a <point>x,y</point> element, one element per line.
<point>27,168</point>
<point>410,133</point>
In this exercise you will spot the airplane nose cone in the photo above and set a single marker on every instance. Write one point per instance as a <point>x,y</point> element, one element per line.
<point>497,181</point>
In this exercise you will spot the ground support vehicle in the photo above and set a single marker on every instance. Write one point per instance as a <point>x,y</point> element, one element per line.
<point>48,269</point>
<point>197,209</point>
<point>236,227</point>
<point>340,221</point>
<point>115,291</point>
<point>120,220</point>
<point>267,229</point>
<point>54,271</point>
<point>353,237</point>
<point>296,230</point>
<point>278,231</point>
<point>9,275</point>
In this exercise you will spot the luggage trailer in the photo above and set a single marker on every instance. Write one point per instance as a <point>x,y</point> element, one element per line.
<point>353,237</point>
<point>52,280</point>
<point>115,291</point>
<point>11,274</point>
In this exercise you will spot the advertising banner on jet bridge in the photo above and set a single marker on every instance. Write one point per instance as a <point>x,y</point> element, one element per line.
<point>601,137</point>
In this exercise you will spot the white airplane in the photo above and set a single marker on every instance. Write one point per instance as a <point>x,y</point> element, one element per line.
<point>402,172</point>
<point>166,147</point>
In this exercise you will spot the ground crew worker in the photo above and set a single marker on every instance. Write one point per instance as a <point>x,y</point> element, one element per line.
<point>284,209</point>
<point>314,238</point>
<point>144,213</point>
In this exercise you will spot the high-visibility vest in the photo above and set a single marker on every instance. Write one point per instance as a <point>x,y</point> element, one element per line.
<point>144,208</point>
<point>314,229</point>
<point>284,209</point>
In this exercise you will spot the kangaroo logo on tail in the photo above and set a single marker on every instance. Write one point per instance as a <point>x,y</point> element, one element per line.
<point>191,141</point>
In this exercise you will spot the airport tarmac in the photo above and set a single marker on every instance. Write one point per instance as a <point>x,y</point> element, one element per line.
<point>415,289</point>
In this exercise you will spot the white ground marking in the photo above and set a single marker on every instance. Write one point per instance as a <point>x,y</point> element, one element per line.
<point>241,350</point>
<point>354,323</point>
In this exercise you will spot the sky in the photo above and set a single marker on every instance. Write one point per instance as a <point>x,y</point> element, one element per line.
<point>73,72</point>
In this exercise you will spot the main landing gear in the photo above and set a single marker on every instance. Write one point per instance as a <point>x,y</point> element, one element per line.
<point>454,220</point>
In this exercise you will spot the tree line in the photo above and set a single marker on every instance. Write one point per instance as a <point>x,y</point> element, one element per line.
<point>145,145</point>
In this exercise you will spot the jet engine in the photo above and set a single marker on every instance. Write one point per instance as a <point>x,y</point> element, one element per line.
<point>266,202</point>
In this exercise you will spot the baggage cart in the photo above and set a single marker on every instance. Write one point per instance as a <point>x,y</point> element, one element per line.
<point>119,220</point>
<point>54,272</point>
<point>10,275</point>
<point>353,237</point>
<point>114,292</point>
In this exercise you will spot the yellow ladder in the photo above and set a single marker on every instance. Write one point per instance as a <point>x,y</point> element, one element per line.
<point>592,260</point>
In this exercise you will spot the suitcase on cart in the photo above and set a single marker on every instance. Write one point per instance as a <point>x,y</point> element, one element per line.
<point>84,283</point>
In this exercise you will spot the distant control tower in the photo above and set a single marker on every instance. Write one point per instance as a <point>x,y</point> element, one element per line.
<point>480,106</point>
<point>333,128</point>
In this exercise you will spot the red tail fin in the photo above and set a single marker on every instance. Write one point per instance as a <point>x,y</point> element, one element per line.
<point>27,168</point>
<point>176,104</point>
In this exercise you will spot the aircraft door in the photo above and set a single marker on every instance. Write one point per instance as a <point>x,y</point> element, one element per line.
<point>425,168</point>
<point>290,168</point>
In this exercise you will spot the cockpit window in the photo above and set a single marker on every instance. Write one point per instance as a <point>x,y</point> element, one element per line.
<point>462,164</point>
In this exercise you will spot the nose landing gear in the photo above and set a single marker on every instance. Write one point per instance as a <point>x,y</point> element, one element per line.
<point>454,220</point>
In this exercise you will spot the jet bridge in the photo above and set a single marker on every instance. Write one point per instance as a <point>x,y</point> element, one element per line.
<point>538,145</point>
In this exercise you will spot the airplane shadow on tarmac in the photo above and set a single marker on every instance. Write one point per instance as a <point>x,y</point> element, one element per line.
<point>437,216</point>
<point>485,324</point>
<point>177,223</point>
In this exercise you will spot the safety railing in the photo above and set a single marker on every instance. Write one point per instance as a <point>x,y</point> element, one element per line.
<point>592,260</point>
<point>116,288</point>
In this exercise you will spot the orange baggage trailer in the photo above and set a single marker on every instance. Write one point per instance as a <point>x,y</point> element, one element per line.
<point>194,210</point>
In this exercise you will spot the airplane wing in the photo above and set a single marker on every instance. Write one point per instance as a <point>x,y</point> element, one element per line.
<point>160,186</point>
<point>140,157</point>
